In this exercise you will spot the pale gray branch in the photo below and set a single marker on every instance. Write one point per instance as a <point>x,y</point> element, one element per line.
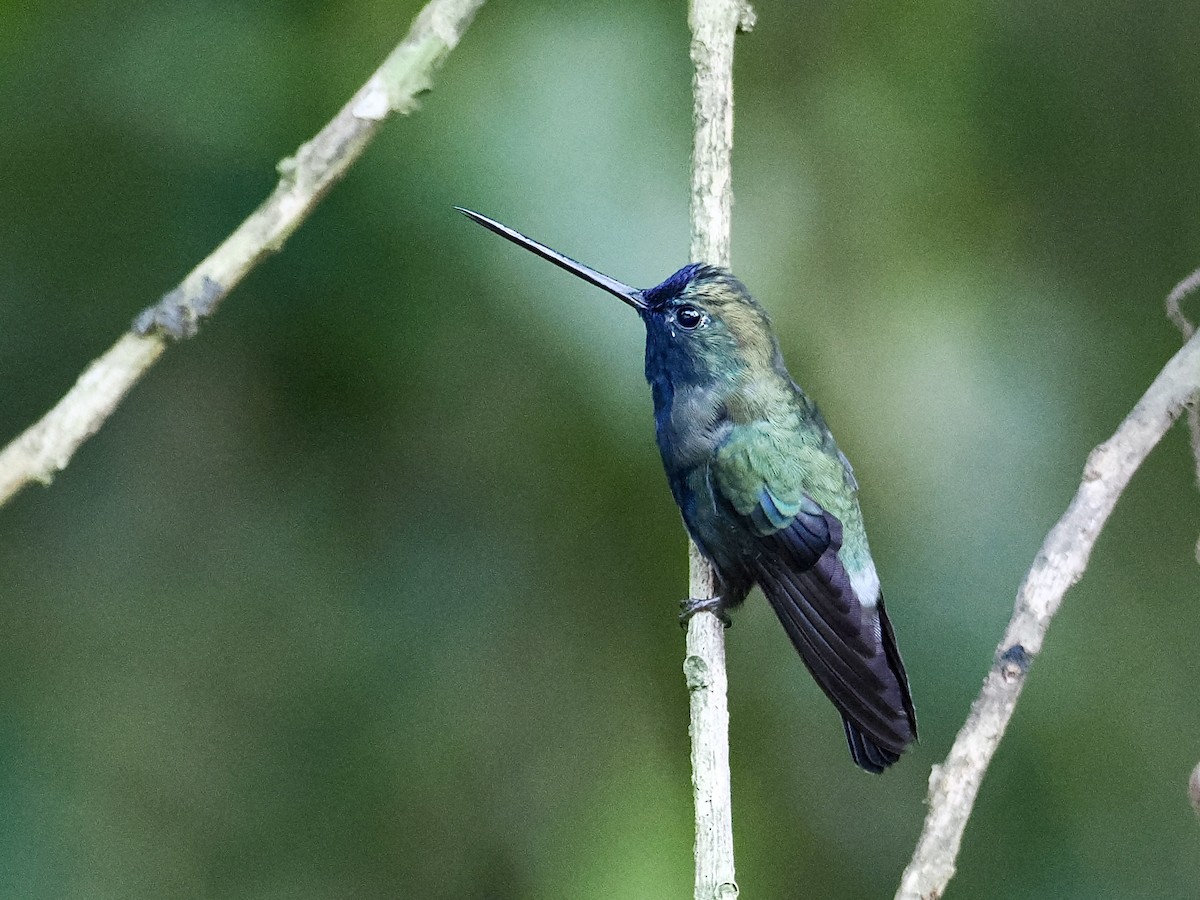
<point>714,24</point>
<point>1060,563</point>
<point>47,446</point>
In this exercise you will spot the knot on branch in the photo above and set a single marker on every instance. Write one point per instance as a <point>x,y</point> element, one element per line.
<point>695,671</point>
<point>1097,462</point>
<point>727,890</point>
<point>178,314</point>
<point>747,19</point>
<point>1014,663</point>
<point>935,780</point>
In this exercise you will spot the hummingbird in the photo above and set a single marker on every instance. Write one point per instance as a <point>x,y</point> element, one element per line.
<point>765,493</point>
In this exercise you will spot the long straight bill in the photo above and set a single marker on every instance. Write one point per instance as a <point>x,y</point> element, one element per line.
<point>630,295</point>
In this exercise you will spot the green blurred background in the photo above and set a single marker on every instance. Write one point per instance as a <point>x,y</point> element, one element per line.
<point>369,591</point>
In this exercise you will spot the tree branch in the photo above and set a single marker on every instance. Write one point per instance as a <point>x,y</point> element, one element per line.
<point>714,24</point>
<point>1060,563</point>
<point>46,447</point>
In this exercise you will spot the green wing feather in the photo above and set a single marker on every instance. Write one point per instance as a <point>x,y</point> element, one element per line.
<point>790,464</point>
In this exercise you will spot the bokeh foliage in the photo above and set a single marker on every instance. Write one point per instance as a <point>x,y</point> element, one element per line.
<point>369,591</point>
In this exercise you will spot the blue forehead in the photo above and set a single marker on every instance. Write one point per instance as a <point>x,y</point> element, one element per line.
<point>673,286</point>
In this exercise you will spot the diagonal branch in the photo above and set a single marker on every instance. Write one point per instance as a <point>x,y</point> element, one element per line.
<point>714,24</point>
<point>46,447</point>
<point>1060,563</point>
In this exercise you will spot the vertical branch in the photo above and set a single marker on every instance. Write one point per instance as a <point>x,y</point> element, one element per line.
<point>714,23</point>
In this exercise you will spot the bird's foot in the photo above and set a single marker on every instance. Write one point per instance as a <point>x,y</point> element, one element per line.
<point>713,605</point>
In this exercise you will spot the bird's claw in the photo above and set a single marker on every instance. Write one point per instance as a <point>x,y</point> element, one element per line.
<point>713,605</point>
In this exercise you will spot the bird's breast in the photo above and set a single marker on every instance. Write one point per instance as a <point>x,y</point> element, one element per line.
<point>691,424</point>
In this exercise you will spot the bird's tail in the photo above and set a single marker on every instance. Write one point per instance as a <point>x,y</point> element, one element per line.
<point>851,651</point>
<point>866,752</point>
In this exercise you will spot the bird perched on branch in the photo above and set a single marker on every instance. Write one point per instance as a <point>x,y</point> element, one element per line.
<point>765,492</point>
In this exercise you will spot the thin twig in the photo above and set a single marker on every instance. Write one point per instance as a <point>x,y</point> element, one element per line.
<point>1060,563</point>
<point>1187,329</point>
<point>46,447</point>
<point>714,24</point>
<point>1175,301</point>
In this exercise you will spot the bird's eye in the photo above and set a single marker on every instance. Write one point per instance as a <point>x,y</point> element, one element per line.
<point>688,317</point>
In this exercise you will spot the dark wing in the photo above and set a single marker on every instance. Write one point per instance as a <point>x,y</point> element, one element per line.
<point>846,644</point>
<point>849,648</point>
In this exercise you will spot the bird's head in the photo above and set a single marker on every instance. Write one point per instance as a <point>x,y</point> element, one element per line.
<point>701,323</point>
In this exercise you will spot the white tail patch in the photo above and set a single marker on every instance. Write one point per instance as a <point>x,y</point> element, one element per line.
<point>865,582</point>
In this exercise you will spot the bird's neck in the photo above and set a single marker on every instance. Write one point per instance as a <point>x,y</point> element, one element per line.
<point>705,387</point>
<point>763,384</point>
